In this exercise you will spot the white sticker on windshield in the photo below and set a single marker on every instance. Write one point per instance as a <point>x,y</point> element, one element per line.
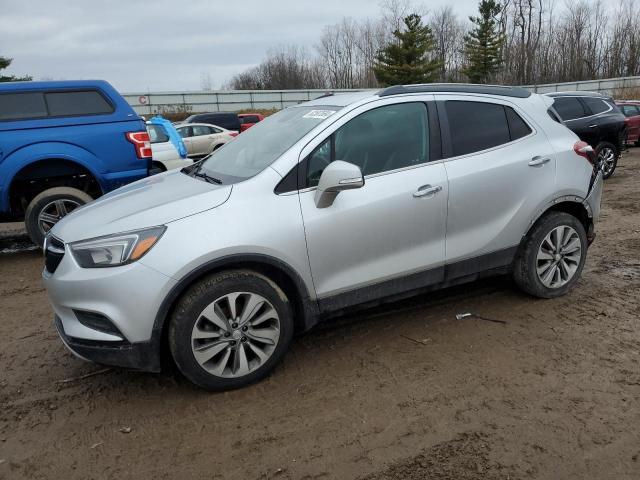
<point>321,114</point>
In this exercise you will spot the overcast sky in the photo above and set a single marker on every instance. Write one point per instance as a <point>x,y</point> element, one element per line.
<point>165,45</point>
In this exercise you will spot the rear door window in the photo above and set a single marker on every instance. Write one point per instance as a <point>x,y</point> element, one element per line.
<point>569,108</point>
<point>201,130</point>
<point>90,102</point>
<point>18,106</point>
<point>596,105</point>
<point>476,126</point>
<point>184,132</point>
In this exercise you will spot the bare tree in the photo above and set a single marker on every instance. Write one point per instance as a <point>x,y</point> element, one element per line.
<point>449,35</point>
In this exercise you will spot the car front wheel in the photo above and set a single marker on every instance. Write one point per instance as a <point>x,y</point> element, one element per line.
<point>230,329</point>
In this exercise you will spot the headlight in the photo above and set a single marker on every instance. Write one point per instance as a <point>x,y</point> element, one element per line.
<point>115,250</point>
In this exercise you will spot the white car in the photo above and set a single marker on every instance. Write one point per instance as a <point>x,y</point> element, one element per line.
<point>164,153</point>
<point>202,138</point>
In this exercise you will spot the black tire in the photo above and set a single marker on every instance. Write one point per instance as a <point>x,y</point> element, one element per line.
<point>525,265</point>
<point>205,292</point>
<point>608,169</point>
<point>159,165</point>
<point>43,201</point>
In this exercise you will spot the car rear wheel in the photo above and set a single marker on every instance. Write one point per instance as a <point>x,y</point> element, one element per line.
<point>49,207</point>
<point>230,329</point>
<point>607,155</point>
<point>552,256</point>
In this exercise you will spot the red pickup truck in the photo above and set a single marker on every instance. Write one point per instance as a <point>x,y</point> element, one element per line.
<point>248,120</point>
<point>631,110</point>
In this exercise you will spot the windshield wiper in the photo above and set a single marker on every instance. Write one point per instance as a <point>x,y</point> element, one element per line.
<point>207,178</point>
<point>194,171</point>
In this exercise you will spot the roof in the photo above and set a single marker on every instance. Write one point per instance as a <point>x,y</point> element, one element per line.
<point>53,85</point>
<point>500,90</point>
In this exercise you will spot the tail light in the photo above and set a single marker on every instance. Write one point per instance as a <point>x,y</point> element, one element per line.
<point>141,142</point>
<point>233,134</point>
<point>585,150</point>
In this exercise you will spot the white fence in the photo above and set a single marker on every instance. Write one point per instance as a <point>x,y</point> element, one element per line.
<point>234,100</point>
<point>220,101</point>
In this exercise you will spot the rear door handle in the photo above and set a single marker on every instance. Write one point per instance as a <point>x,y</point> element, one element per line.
<point>425,190</point>
<point>538,161</point>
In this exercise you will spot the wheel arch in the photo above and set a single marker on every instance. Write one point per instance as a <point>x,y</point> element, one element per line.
<point>569,204</point>
<point>305,309</point>
<point>49,172</point>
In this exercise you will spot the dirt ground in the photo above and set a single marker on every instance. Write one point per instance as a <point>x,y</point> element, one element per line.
<point>400,392</point>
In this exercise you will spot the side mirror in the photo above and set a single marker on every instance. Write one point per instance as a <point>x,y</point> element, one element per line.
<point>336,177</point>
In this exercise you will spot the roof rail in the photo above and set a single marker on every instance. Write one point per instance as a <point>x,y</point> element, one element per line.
<point>505,91</point>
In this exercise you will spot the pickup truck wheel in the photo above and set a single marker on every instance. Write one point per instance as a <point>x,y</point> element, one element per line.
<point>607,155</point>
<point>48,207</point>
<point>552,256</point>
<point>230,329</point>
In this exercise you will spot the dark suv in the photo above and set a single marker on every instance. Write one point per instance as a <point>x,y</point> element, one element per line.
<point>227,120</point>
<point>597,120</point>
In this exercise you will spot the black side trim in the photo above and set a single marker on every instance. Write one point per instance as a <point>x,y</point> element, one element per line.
<point>447,145</point>
<point>309,307</point>
<point>435,137</point>
<point>289,182</point>
<point>420,282</point>
<point>387,288</point>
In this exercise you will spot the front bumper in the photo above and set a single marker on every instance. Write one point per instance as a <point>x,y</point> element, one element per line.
<point>143,356</point>
<point>124,299</point>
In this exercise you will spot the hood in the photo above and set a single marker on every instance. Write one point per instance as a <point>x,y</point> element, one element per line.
<point>152,201</point>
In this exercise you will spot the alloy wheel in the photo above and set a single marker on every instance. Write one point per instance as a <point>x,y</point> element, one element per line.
<point>607,158</point>
<point>559,257</point>
<point>235,335</point>
<point>53,212</point>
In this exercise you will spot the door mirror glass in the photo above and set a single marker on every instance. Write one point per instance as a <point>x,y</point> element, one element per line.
<point>337,176</point>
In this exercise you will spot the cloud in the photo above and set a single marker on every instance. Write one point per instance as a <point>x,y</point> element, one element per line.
<point>164,45</point>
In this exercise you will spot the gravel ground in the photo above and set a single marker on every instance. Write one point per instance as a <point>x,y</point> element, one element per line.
<point>400,392</point>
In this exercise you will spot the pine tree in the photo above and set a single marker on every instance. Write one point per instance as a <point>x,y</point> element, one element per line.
<point>4,63</point>
<point>406,60</point>
<point>483,44</point>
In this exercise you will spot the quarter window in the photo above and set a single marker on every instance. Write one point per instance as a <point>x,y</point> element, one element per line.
<point>476,126</point>
<point>569,108</point>
<point>157,134</point>
<point>385,138</point>
<point>90,102</point>
<point>596,105</point>
<point>517,126</point>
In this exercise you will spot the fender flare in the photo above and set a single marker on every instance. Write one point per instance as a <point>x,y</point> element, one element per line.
<point>309,306</point>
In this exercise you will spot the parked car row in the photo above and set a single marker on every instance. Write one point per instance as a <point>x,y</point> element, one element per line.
<point>597,120</point>
<point>65,143</point>
<point>340,203</point>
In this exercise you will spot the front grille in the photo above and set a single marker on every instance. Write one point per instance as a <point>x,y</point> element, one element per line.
<point>53,253</point>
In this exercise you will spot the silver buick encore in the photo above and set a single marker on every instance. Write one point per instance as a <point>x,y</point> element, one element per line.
<point>348,200</point>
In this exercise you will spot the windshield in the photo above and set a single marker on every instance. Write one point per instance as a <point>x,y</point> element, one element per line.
<point>258,147</point>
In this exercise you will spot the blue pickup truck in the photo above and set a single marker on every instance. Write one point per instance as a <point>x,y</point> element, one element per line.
<point>63,144</point>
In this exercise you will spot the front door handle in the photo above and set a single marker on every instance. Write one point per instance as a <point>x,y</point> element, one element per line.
<point>538,161</point>
<point>425,190</point>
<point>593,126</point>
